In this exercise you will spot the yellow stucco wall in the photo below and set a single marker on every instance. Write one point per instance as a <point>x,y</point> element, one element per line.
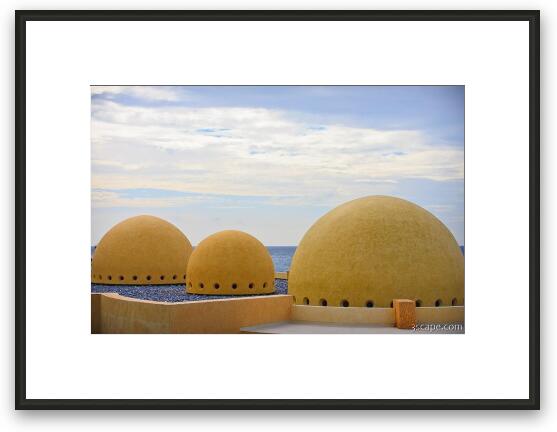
<point>377,249</point>
<point>384,316</point>
<point>112,313</point>
<point>343,315</point>
<point>440,315</point>
<point>230,262</point>
<point>142,250</point>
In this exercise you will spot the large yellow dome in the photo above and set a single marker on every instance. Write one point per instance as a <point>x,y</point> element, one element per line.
<point>230,262</point>
<point>142,250</point>
<point>372,250</point>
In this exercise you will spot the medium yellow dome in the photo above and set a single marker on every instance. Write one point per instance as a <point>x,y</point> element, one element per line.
<point>142,250</point>
<point>372,250</point>
<point>230,262</point>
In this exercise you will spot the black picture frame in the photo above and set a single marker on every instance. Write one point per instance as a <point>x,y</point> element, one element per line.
<point>531,16</point>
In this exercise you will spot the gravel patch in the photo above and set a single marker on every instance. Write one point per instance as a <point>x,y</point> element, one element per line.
<point>173,293</point>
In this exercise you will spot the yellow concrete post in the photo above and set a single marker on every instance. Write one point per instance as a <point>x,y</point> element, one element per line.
<point>405,313</point>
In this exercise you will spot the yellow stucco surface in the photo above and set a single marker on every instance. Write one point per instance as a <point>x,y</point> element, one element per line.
<point>373,250</point>
<point>376,315</point>
<point>230,262</point>
<point>112,313</point>
<point>441,315</point>
<point>142,250</point>
<point>343,315</point>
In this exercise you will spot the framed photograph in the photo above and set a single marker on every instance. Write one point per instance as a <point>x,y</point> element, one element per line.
<point>277,209</point>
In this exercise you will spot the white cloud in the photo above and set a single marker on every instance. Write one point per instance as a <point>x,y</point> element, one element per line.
<point>255,151</point>
<point>100,165</point>
<point>111,199</point>
<point>140,92</point>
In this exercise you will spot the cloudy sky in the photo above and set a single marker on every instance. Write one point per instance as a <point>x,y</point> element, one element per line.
<point>271,160</point>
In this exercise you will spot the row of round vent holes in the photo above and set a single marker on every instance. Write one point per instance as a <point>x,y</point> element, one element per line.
<point>201,285</point>
<point>135,277</point>
<point>370,303</point>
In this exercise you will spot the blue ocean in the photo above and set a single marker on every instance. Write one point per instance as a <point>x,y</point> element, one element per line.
<point>282,256</point>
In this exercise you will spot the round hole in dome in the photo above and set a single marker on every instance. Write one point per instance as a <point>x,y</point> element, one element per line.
<point>234,285</point>
<point>418,303</point>
<point>264,284</point>
<point>391,305</point>
<point>184,277</point>
<point>109,277</point>
<point>121,277</point>
<point>148,277</point>
<point>162,277</point>
<point>201,285</point>
<point>100,277</point>
<point>306,301</point>
<point>438,302</point>
<point>134,277</point>
<point>454,301</point>
<point>344,303</point>
<point>217,286</point>
<point>323,302</point>
<point>250,285</point>
<point>174,277</point>
<point>369,303</point>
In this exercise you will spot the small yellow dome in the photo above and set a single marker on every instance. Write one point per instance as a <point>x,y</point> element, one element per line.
<point>372,250</point>
<point>230,262</point>
<point>142,250</point>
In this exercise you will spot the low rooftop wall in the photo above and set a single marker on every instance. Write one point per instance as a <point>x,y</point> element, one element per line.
<point>385,316</point>
<point>112,313</point>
